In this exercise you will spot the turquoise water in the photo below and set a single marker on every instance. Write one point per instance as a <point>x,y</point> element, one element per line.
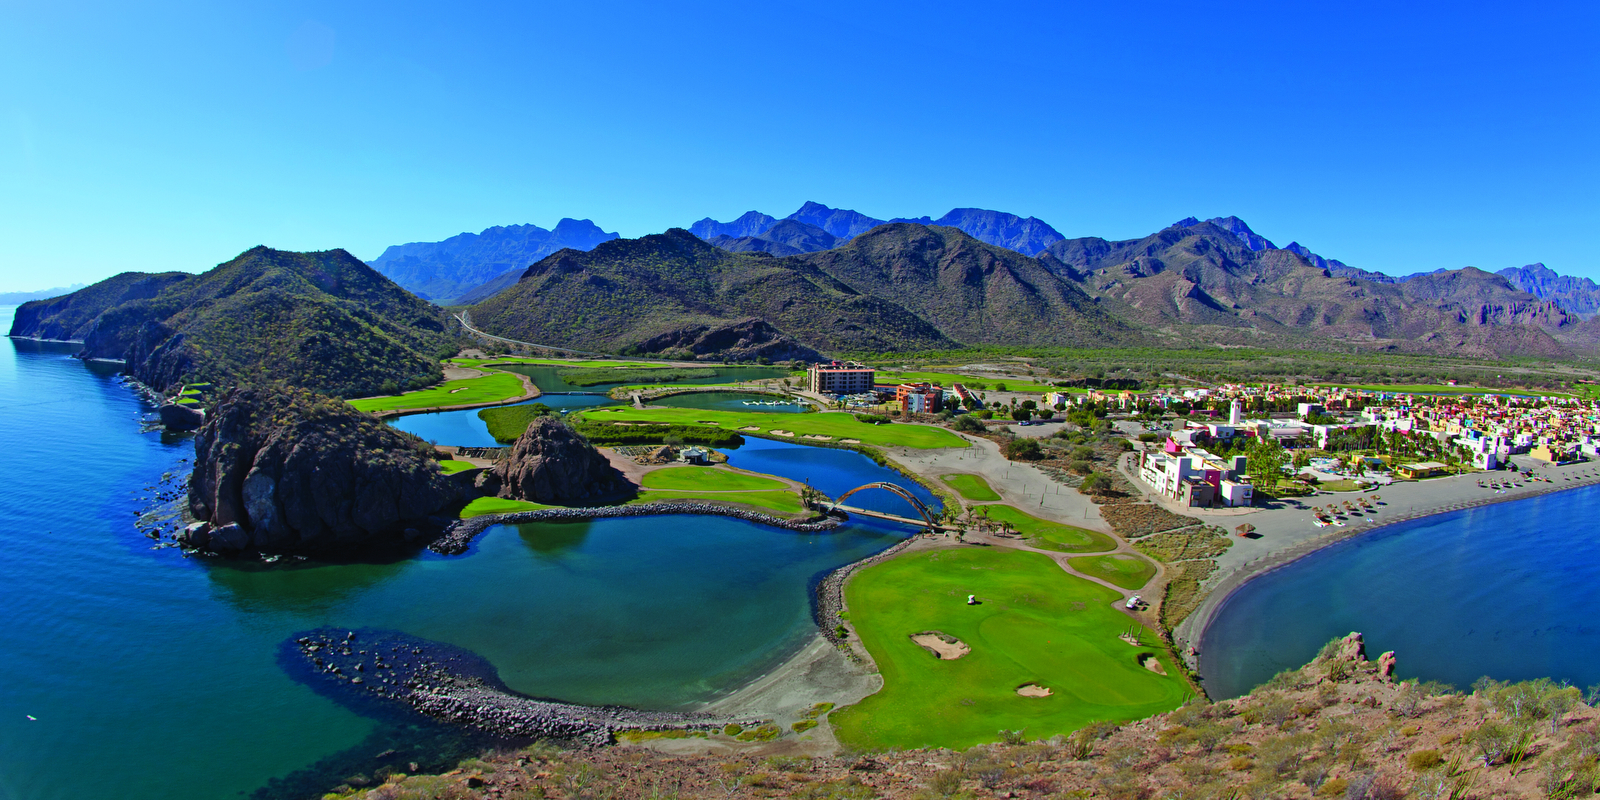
<point>831,471</point>
<point>1510,590</point>
<point>152,675</point>
<point>463,428</point>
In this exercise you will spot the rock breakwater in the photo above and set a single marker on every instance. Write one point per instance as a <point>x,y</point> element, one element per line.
<point>459,688</point>
<point>459,535</point>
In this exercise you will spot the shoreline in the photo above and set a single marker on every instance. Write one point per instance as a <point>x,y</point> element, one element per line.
<point>1191,631</point>
<point>459,535</point>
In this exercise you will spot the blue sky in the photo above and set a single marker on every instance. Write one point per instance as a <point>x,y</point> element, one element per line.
<point>1393,136</point>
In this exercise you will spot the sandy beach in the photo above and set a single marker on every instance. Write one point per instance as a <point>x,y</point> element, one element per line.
<point>1286,532</point>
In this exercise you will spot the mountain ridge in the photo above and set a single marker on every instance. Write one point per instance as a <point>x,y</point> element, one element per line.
<point>445,270</point>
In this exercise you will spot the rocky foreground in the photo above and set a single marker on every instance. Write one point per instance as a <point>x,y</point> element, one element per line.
<point>1341,727</point>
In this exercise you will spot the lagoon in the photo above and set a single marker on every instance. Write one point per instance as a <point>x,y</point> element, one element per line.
<point>153,675</point>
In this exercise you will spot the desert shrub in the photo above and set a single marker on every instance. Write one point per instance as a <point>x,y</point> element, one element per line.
<point>1024,450</point>
<point>968,424</point>
<point>1424,759</point>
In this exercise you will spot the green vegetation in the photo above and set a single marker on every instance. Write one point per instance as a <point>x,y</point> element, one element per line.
<point>976,384</point>
<point>1035,625</point>
<point>607,431</point>
<point>1122,569</point>
<point>782,501</point>
<point>628,375</point>
<point>1047,535</point>
<point>452,466</point>
<point>497,505</point>
<point>1432,388</point>
<point>707,479</point>
<point>971,487</point>
<point>1339,486</point>
<point>492,388</point>
<point>321,321</point>
<point>836,425</point>
<point>669,733</point>
<point>507,423</point>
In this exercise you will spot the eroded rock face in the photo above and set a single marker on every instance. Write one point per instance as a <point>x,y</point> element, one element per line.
<point>300,472</point>
<point>552,464</point>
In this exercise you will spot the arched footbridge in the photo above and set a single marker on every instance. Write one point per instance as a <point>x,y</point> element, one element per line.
<point>928,517</point>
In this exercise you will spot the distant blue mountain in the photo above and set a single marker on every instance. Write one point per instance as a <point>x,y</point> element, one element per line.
<point>1579,296</point>
<point>16,298</point>
<point>1027,235</point>
<point>445,271</point>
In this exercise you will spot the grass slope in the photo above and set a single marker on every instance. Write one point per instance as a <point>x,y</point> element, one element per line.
<point>707,479</point>
<point>497,505</point>
<point>1123,569</point>
<point>971,487</point>
<point>784,502</point>
<point>487,389</point>
<point>1036,624</point>
<point>838,425</point>
<point>1047,535</point>
<point>451,466</point>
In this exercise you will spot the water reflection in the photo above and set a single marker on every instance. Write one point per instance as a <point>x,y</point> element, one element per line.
<point>553,539</point>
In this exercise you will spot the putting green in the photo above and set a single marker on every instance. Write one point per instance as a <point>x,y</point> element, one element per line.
<point>836,425</point>
<point>1047,535</point>
<point>1035,624</point>
<point>1123,569</point>
<point>971,487</point>
<point>707,479</point>
<point>452,466</point>
<point>497,505</point>
<point>488,389</point>
<point>781,501</point>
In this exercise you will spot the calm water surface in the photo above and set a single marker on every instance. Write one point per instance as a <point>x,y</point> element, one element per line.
<point>732,401</point>
<point>1510,590</point>
<point>152,675</point>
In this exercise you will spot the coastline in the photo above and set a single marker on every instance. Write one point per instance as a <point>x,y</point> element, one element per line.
<point>1191,632</point>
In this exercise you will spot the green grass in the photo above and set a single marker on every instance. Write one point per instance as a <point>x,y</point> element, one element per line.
<point>1047,535</point>
<point>452,466</point>
<point>707,479</point>
<point>1035,624</point>
<point>784,502</point>
<point>487,389</point>
<point>971,382</point>
<point>839,425</point>
<point>497,505</point>
<point>1123,569</point>
<point>971,487</point>
<point>544,362</point>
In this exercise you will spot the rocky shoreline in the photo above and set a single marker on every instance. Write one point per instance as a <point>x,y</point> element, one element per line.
<point>418,674</point>
<point>458,537</point>
<point>830,591</point>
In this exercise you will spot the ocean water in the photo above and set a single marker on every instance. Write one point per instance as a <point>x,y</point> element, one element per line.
<point>149,675</point>
<point>1510,590</point>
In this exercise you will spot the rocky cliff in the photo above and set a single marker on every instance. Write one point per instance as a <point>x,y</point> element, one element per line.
<point>550,463</point>
<point>286,470</point>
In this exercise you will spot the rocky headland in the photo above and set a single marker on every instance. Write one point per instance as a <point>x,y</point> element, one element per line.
<point>551,463</point>
<point>289,471</point>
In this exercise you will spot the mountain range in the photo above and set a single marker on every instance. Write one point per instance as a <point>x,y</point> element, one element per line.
<point>322,321</point>
<point>448,272</point>
<point>13,298</point>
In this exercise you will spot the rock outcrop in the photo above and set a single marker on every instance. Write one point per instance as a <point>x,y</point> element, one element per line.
<point>286,470</point>
<point>551,463</point>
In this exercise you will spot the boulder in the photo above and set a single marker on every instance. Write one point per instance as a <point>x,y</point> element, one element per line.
<point>550,463</point>
<point>196,535</point>
<point>299,472</point>
<point>181,418</point>
<point>229,538</point>
<point>1386,665</point>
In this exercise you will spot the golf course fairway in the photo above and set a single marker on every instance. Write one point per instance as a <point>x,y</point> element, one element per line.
<point>1035,624</point>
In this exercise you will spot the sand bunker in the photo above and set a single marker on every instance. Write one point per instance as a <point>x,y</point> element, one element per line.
<point>945,646</point>
<point>783,433</point>
<point>707,422</point>
<point>1149,662</point>
<point>817,436</point>
<point>850,441</point>
<point>750,428</point>
<point>1032,690</point>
